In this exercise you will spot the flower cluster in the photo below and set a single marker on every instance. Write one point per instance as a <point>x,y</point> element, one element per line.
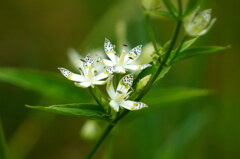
<point>89,76</point>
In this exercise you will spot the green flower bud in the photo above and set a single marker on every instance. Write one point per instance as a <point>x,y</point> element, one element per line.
<point>143,82</point>
<point>90,130</point>
<point>199,22</point>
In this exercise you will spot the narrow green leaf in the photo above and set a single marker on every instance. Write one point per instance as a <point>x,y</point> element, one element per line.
<point>163,73</point>
<point>3,145</point>
<point>172,9</point>
<point>49,84</point>
<point>89,111</point>
<point>191,6</point>
<point>162,13</point>
<point>158,98</point>
<point>188,43</point>
<point>198,51</point>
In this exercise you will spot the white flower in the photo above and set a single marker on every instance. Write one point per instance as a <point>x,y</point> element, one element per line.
<point>199,22</point>
<point>124,61</point>
<point>119,97</point>
<point>89,76</point>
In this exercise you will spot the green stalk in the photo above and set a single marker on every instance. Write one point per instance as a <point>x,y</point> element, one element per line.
<point>146,88</point>
<point>151,32</point>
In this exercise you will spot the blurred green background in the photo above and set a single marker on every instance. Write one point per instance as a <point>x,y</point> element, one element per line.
<point>36,34</point>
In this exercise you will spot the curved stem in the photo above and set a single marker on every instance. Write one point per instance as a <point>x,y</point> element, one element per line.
<point>151,32</point>
<point>101,139</point>
<point>147,87</point>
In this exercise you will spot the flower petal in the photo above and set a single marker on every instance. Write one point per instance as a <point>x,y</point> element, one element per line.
<point>109,49</point>
<point>125,84</point>
<point>99,82</point>
<point>114,105</point>
<point>88,61</point>
<point>137,67</point>
<point>132,105</point>
<point>110,88</point>
<point>105,74</point>
<point>133,54</point>
<point>75,57</point>
<point>71,76</point>
<point>106,62</point>
<point>83,84</point>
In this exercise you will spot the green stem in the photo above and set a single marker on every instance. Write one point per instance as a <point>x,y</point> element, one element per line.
<point>179,48</point>
<point>151,32</point>
<point>147,88</point>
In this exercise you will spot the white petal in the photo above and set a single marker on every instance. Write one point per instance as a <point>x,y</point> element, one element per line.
<point>71,76</point>
<point>119,69</point>
<point>114,105</point>
<point>83,84</point>
<point>125,84</point>
<point>88,61</point>
<point>133,54</point>
<point>110,89</point>
<point>105,74</point>
<point>132,105</point>
<point>137,67</point>
<point>99,82</point>
<point>75,57</point>
<point>109,49</point>
<point>106,62</point>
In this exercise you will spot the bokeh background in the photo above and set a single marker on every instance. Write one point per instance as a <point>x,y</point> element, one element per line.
<point>37,34</point>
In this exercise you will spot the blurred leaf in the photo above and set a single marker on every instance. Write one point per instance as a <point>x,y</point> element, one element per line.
<point>183,135</point>
<point>162,73</point>
<point>89,111</point>
<point>188,43</point>
<point>191,6</point>
<point>166,96</point>
<point>46,83</point>
<point>198,51</point>
<point>162,13</point>
<point>158,98</point>
<point>3,145</point>
<point>172,9</point>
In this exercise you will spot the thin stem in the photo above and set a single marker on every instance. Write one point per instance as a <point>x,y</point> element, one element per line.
<point>101,139</point>
<point>163,63</point>
<point>151,32</point>
<point>179,48</point>
<point>147,88</point>
<point>180,7</point>
<point>94,96</point>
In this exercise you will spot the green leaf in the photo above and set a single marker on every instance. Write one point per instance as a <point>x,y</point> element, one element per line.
<point>3,145</point>
<point>158,98</point>
<point>49,84</point>
<point>191,6</point>
<point>163,73</point>
<point>188,43</point>
<point>166,96</point>
<point>172,9</point>
<point>203,50</point>
<point>89,111</point>
<point>162,13</point>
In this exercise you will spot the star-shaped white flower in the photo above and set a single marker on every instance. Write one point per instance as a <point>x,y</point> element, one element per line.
<point>120,96</point>
<point>125,60</point>
<point>88,76</point>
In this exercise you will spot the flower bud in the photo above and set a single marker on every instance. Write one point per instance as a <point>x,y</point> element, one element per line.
<point>143,82</point>
<point>198,22</point>
<point>151,4</point>
<point>90,130</point>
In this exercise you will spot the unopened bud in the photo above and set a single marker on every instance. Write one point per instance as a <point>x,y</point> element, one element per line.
<point>199,22</point>
<point>90,130</point>
<point>143,82</point>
